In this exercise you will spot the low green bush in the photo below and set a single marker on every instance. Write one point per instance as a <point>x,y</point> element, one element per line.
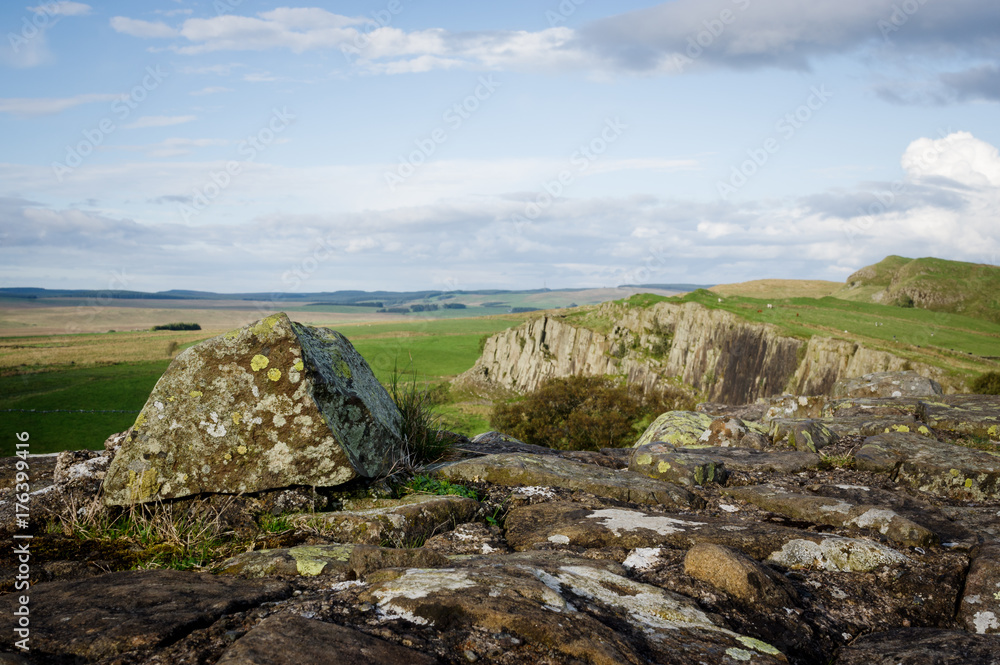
<point>986,384</point>
<point>583,413</point>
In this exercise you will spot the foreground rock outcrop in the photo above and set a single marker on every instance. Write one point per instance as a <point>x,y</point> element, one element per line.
<point>270,405</point>
<point>733,545</point>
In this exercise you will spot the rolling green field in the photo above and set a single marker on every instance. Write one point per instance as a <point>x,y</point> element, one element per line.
<point>47,404</point>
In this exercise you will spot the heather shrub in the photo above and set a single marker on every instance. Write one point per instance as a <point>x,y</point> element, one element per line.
<point>583,413</point>
<point>986,384</point>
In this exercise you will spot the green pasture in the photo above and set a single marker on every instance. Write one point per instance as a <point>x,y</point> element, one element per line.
<point>428,351</point>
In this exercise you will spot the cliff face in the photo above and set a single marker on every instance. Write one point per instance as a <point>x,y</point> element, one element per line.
<point>724,357</point>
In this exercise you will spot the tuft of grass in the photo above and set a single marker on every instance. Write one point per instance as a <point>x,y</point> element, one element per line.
<point>845,461</point>
<point>422,438</point>
<point>269,523</point>
<point>423,484</point>
<point>162,535</point>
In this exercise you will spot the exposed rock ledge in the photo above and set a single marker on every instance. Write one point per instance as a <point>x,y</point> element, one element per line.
<point>727,358</point>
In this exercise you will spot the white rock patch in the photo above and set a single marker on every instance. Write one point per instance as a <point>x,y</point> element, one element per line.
<point>618,520</point>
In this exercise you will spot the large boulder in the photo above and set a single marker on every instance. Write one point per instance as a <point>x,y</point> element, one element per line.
<point>270,405</point>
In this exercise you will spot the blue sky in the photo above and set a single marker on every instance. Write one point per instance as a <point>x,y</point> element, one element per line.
<point>398,144</point>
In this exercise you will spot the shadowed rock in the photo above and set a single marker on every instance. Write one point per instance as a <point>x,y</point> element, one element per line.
<point>270,405</point>
<point>116,613</point>
<point>293,640</point>
<point>922,646</point>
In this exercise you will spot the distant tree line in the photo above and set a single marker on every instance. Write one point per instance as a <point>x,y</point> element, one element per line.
<point>178,326</point>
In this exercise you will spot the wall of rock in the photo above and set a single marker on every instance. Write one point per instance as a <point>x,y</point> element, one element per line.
<point>725,358</point>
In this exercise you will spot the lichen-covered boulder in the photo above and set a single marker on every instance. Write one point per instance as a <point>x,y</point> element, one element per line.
<point>973,415</point>
<point>807,435</point>
<point>678,428</point>
<point>886,384</point>
<point>684,467</point>
<point>270,405</point>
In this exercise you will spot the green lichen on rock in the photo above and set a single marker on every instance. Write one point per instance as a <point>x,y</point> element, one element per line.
<point>678,428</point>
<point>270,405</point>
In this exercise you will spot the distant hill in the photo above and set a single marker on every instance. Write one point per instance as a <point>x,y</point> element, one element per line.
<point>939,285</point>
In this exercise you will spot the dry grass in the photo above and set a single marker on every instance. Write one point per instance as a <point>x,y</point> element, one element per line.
<point>778,288</point>
<point>62,351</point>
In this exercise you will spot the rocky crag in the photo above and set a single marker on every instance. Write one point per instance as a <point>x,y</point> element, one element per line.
<point>716,353</point>
<point>863,528</point>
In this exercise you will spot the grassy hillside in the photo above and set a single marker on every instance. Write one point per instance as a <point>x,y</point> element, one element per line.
<point>970,289</point>
<point>959,344</point>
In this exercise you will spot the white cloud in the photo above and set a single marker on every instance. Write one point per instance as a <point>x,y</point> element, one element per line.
<point>143,29</point>
<point>960,157</point>
<point>669,38</point>
<point>945,208</point>
<point>159,121</point>
<point>62,8</point>
<point>27,106</point>
<point>210,90</point>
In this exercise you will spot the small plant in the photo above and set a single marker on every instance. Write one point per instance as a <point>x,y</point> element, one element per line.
<point>274,523</point>
<point>986,384</point>
<point>845,461</point>
<point>166,535</point>
<point>583,413</point>
<point>424,443</point>
<point>422,484</point>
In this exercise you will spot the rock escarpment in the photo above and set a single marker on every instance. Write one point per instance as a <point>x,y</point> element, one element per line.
<point>726,358</point>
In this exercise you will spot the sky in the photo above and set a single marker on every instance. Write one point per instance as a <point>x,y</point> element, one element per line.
<point>244,145</point>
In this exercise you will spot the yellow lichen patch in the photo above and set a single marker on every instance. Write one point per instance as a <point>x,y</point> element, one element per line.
<point>258,362</point>
<point>172,398</point>
<point>994,430</point>
<point>227,457</point>
<point>757,645</point>
<point>142,486</point>
<point>901,428</point>
<point>299,366</point>
<point>236,417</point>
<point>644,459</point>
<point>241,449</point>
<point>663,466</point>
<point>196,393</point>
<point>968,482</point>
<point>274,374</point>
<point>923,430</point>
<point>140,420</point>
